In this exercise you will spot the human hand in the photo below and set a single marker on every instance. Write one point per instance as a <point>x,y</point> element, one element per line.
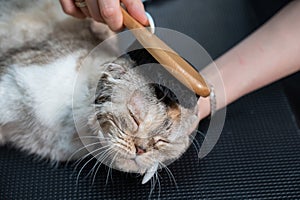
<point>106,11</point>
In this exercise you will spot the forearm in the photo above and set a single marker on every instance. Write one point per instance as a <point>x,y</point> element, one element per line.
<point>270,53</point>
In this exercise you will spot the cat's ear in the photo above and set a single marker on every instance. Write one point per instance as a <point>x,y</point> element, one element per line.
<point>137,105</point>
<point>174,112</point>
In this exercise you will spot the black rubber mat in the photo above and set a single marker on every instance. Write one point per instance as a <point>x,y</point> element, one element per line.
<point>257,156</point>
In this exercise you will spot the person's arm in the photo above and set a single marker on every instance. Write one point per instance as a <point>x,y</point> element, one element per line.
<point>269,54</point>
<point>107,11</point>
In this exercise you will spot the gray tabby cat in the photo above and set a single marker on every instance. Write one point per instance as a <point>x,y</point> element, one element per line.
<point>40,56</point>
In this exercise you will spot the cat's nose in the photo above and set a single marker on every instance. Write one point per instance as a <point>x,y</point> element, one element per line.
<point>139,150</point>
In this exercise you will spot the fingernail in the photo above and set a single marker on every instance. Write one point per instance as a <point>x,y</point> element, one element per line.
<point>140,15</point>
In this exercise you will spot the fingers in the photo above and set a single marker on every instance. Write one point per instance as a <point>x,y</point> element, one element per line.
<point>85,10</point>
<point>111,13</point>
<point>94,11</point>
<point>136,10</point>
<point>69,8</point>
<point>107,11</point>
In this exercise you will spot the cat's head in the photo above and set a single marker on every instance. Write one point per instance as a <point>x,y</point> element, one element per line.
<point>141,125</point>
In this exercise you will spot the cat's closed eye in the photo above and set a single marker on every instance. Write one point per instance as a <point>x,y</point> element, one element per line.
<point>158,143</point>
<point>135,119</point>
<point>161,141</point>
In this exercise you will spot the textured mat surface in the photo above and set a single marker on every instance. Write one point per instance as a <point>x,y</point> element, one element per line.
<point>257,156</point>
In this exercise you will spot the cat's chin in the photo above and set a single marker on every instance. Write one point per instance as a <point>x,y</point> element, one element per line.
<point>138,164</point>
<point>129,165</point>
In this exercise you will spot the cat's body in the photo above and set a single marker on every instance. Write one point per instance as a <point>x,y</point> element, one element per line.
<point>40,56</point>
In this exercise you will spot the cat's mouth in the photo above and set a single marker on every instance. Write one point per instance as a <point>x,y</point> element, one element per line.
<point>138,164</point>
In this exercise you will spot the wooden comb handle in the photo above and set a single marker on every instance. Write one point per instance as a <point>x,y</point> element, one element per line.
<point>167,57</point>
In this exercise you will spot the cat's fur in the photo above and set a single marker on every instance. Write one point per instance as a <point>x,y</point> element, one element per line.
<point>40,56</point>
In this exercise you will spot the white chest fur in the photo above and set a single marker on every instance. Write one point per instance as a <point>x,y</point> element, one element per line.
<point>40,97</point>
<point>47,88</point>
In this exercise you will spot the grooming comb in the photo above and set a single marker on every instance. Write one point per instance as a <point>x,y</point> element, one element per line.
<point>167,57</point>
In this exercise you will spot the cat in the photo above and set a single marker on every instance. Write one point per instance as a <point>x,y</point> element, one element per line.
<point>136,126</point>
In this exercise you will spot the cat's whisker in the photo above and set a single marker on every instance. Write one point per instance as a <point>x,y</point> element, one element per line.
<point>80,149</point>
<point>92,170</point>
<point>99,163</point>
<point>89,153</point>
<point>90,137</point>
<point>204,138</point>
<point>154,180</point>
<point>78,161</point>
<point>94,176</point>
<point>162,98</point>
<point>113,159</point>
<point>192,138</point>
<point>110,168</point>
<point>105,154</point>
<point>103,157</point>
<point>153,183</point>
<point>88,162</point>
<point>159,186</point>
<point>77,179</point>
<point>170,174</point>
<point>201,133</point>
<point>195,144</point>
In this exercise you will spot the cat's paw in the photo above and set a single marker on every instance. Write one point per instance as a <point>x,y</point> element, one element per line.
<point>118,68</point>
<point>115,70</point>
